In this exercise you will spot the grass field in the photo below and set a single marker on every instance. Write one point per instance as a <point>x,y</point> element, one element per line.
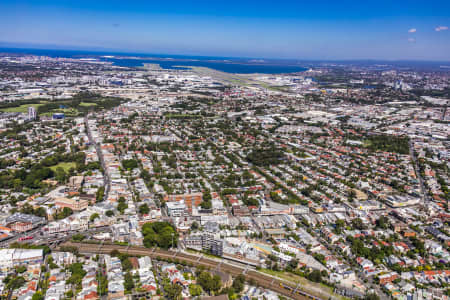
<point>65,165</point>
<point>22,108</point>
<point>70,111</point>
<point>367,143</point>
<point>182,116</point>
<point>317,289</point>
<point>88,104</point>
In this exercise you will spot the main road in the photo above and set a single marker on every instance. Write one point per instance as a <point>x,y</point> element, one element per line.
<point>423,190</point>
<point>100,157</point>
<point>263,280</point>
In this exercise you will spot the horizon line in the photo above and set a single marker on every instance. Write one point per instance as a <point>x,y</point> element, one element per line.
<point>100,50</point>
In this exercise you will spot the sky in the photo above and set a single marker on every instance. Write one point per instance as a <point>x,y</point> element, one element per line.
<point>323,30</point>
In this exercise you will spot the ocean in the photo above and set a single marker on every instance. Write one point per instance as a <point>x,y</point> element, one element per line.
<point>181,62</point>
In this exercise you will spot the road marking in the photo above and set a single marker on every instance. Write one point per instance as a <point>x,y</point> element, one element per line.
<point>295,290</point>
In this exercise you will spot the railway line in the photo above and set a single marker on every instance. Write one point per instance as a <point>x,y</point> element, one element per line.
<point>263,280</point>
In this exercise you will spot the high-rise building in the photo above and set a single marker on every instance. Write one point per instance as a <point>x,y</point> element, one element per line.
<point>217,247</point>
<point>32,113</point>
<point>212,245</point>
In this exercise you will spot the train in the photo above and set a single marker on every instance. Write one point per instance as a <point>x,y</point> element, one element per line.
<point>298,291</point>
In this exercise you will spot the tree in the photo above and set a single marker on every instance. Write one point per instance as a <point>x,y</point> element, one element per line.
<point>205,281</point>
<point>77,274</point>
<point>195,290</point>
<point>209,283</point>
<point>27,209</point>
<point>38,296</point>
<point>14,282</point>
<point>372,296</point>
<point>128,283</point>
<point>358,224</point>
<point>144,209</point>
<point>160,234</point>
<point>78,237</point>
<point>109,213</point>
<point>207,195</point>
<point>206,205</point>
<point>383,222</point>
<point>129,164</point>
<point>194,225</point>
<point>64,213</point>
<point>165,238</point>
<point>351,195</point>
<point>126,264</point>
<point>122,205</point>
<point>293,264</point>
<point>100,194</point>
<point>60,175</point>
<point>419,246</point>
<point>266,156</point>
<point>67,211</point>
<point>238,283</point>
<point>315,276</point>
<point>40,212</point>
<point>102,288</point>
<point>391,143</point>
<point>216,283</point>
<point>93,217</point>
<point>172,291</point>
<point>21,269</point>
<point>247,176</point>
<point>339,225</point>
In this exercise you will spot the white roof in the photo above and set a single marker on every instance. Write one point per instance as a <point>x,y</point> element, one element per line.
<point>24,254</point>
<point>175,205</point>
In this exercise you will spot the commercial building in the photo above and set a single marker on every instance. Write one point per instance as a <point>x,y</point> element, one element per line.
<point>72,203</point>
<point>194,242</point>
<point>209,243</point>
<point>176,209</point>
<point>23,222</point>
<point>189,199</point>
<point>10,258</point>
<point>32,114</point>
<point>400,201</point>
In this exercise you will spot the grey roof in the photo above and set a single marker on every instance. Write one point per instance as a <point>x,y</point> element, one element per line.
<point>19,217</point>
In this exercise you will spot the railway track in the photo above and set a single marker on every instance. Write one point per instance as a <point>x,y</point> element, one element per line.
<point>262,280</point>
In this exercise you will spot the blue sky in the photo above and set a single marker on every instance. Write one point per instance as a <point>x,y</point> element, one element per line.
<point>339,29</point>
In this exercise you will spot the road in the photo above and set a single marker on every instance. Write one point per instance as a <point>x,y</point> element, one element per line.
<point>100,157</point>
<point>263,280</point>
<point>34,233</point>
<point>423,191</point>
<point>58,237</point>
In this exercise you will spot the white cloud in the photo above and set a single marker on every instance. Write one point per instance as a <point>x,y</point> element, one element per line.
<point>441,28</point>
<point>412,30</point>
<point>411,40</point>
